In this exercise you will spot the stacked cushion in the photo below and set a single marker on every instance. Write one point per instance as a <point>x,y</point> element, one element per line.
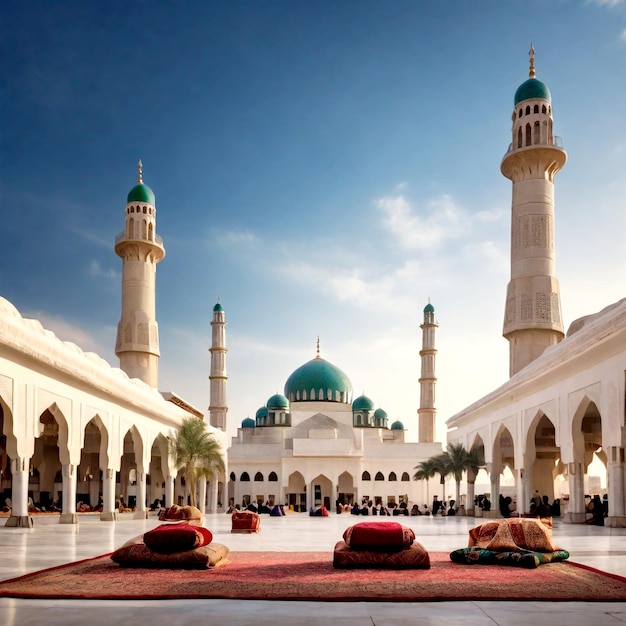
<point>522,542</point>
<point>380,545</point>
<point>176,546</point>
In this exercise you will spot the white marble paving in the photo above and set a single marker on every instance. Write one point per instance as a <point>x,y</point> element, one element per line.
<point>49,543</point>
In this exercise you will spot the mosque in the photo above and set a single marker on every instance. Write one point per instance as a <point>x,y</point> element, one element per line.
<point>315,445</point>
<point>73,428</point>
<point>564,403</point>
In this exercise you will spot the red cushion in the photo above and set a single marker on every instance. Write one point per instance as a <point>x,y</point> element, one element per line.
<point>170,538</point>
<point>379,536</point>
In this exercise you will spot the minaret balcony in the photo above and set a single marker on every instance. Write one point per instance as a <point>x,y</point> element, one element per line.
<point>158,240</point>
<point>555,141</point>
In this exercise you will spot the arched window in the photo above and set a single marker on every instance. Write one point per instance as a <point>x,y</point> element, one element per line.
<point>273,478</point>
<point>536,109</point>
<point>233,477</point>
<point>145,210</point>
<point>144,229</point>
<point>537,133</point>
<point>405,477</point>
<point>150,232</point>
<point>130,230</point>
<point>245,477</point>
<point>528,142</point>
<point>379,476</point>
<point>528,110</point>
<point>392,476</point>
<point>258,477</point>
<point>519,137</point>
<point>543,108</point>
<point>366,476</point>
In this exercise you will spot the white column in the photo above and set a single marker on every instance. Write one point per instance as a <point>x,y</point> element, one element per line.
<point>576,510</point>
<point>202,494</point>
<point>109,514</point>
<point>68,514</point>
<point>616,467</point>
<point>213,503</point>
<point>471,494</point>
<point>140,498</point>
<point>19,494</point>
<point>169,490</point>
<point>522,499</point>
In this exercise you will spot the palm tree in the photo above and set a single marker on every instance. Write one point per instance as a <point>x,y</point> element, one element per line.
<point>459,460</point>
<point>429,468</point>
<point>196,452</point>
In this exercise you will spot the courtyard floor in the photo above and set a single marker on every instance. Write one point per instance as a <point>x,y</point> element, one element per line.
<point>49,543</point>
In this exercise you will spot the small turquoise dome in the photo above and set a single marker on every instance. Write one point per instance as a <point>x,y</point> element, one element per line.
<point>531,89</point>
<point>141,193</point>
<point>380,414</point>
<point>262,412</point>
<point>278,401</point>
<point>218,307</point>
<point>397,425</point>
<point>429,308</point>
<point>248,423</point>
<point>362,403</point>
<point>318,374</point>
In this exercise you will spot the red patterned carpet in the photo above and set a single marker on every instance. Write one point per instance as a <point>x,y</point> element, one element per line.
<point>311,576</point>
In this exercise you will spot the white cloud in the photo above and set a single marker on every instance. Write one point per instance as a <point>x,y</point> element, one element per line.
<point>95,269</point>
<point>444,220</point>
<point>66,331</point>
<point>607,3</point>
<point>235,238</point>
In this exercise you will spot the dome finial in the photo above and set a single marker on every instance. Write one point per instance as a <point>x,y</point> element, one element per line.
<point>317,356</point>
<point>140,173</point>
<point>531,54</point>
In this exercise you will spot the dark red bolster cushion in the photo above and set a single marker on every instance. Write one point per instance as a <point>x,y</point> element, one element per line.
<point>379,536</point>
<point>170,538</point>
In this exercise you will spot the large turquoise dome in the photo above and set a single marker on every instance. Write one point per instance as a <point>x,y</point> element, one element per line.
<point>318,380</point>
<point>531,89</point>
<point>141,193</point>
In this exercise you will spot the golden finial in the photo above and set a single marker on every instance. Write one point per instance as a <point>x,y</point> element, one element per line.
<point>140,173</point>
<point>317,356</point>
<point>531,54</point>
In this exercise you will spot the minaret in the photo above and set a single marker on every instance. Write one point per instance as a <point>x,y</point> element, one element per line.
<point>532,319</point>
<point>140,248</point>
<point>218,409</point>
<point>428,380</point>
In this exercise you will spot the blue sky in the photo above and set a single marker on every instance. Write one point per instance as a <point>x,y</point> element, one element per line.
<point>324,168</point>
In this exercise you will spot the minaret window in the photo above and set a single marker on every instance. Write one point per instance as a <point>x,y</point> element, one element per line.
<point>543,109</point>
<point>145,210</point>
<point>528,140</point>
<point>520,113</point>
<point>150,232</point>
<point>519,137</point>
<point>145,229</point>
<point>528,110</point>
<point>537,134</point>
<point>536,109</point>
<point>131,228</point>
